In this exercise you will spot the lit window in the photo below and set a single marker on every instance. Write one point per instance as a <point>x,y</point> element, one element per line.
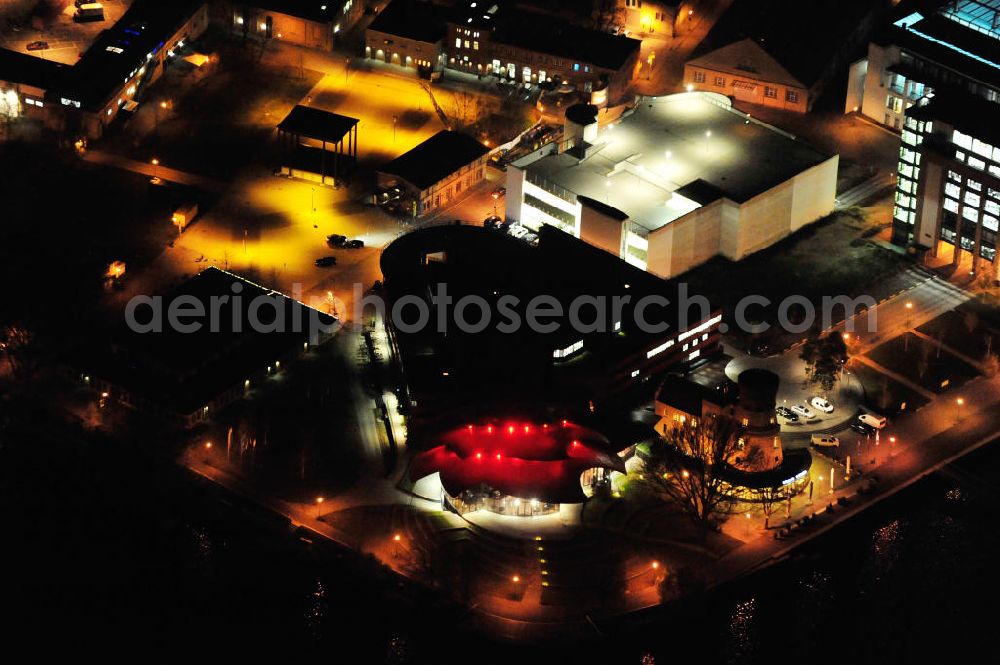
<point>699,76</point>
<point>720,81</point>
<point>770,92</point>
<point>458,42</point>
<point>791,96</point>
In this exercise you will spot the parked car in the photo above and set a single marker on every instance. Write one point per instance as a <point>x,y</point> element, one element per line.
<point>492,221</point>
<point>353,244</point>
<point>38,45</point>
<point>758,349</point>
<point>824,441</point>
<point>787,414</point>
<point>499,191</point>
<point>326,261</point>
<point>862,428</point>
<point>336,240</point>
<point>821,404</point>
<point>803,410</point>
<point>872,420</point>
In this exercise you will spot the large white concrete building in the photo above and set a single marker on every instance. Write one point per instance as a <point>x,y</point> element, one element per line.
<point>676,181</point>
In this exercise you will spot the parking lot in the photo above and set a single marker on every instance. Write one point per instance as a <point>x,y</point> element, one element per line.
<point>23,22</point>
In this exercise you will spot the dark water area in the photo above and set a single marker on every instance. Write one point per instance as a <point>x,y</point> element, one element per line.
<point>133,558</point>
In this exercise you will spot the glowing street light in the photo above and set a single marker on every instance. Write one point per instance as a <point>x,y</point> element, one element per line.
<point>960,402</point>
<point>319,505</point>
<point>156,170</point>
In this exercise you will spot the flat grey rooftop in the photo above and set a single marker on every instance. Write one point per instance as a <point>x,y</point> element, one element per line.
<point>670,142</point>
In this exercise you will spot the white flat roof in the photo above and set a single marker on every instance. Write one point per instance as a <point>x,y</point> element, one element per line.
<point>638,164</point>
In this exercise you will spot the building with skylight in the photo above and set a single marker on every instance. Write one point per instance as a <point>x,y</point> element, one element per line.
<point>955,47</point>
<point>674,182</point>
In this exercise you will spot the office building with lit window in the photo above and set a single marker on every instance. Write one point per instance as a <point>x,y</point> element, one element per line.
<point>953,48</point>
<point>675,182</point>
<point>948,191</point>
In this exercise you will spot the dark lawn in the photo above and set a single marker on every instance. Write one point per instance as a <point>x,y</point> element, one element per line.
<point>883,394</point>
<point>923,362</point>
<point>965,331</point>
<point>819,260</point>
<point>63,222</point>
<point>298,434</point>
<point>216,121</point>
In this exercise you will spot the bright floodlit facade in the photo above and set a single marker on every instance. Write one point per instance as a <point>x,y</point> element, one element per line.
<point>948,191</point>
<point>678,180</point>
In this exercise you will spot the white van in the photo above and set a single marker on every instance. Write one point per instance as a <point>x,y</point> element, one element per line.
<point>92,11</point>
<point>870,419</point>
<point>824,441</point>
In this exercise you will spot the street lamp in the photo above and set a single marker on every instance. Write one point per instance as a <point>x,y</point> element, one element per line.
<point>395,118</point>
<point>319,504</point>
<point>156,114</point>
<point>960,402</point>
<point>906,335</point>
<point>156,170</point>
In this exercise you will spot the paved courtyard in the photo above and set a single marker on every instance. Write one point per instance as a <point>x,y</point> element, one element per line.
<point>66,38</point>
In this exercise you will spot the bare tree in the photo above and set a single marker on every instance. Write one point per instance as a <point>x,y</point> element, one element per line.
<point>769,498</point>
<point>466,108</point>
<point>689,464</point>
<point>608,15</point>
<point>825,357</point>
<point>17,349</point>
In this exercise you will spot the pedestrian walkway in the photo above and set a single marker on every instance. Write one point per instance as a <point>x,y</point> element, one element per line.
<point>895,376</point>
<point>153,170</point>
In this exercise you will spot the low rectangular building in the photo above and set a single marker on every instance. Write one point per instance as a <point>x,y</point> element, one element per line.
<point>82,100</point>
<point>435,173</point>
<point>186,376</point>
<point>677,181</point>
<point>309,23</point>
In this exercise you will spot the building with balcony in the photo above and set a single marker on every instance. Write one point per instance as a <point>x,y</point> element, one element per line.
<point>676,181</point>
<point>948,190</point>
<point>943,49</point>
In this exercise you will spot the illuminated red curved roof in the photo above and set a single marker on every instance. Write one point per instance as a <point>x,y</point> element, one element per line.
<point>519,459</point>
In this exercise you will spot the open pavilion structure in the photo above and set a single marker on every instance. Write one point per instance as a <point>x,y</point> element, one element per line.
<point>312,137</point>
